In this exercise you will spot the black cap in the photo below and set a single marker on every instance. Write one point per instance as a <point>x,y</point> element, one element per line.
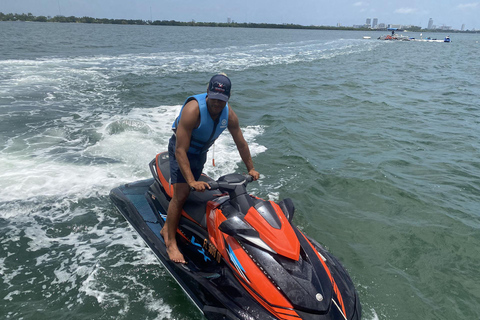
<point>219,87</point>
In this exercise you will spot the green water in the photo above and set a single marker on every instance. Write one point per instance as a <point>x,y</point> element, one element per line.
<point>376,143</point>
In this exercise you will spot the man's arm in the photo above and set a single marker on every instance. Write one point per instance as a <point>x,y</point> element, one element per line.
<point>242,145</point>
<point>188,122</point>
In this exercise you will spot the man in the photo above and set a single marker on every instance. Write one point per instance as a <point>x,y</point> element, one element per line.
<point>201,120</point>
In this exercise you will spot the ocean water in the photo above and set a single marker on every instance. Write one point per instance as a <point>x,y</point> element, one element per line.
<point>376,142</point>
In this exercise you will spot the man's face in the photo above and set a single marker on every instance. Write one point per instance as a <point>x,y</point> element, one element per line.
<point>215,106</point>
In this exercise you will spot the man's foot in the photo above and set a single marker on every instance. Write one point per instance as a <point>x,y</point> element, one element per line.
<point>173,252</point>
<point>175,255</point>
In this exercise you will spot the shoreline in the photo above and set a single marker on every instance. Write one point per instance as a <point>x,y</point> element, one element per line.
<point>71,19</point>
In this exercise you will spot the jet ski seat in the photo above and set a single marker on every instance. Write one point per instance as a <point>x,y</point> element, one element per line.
<point>195,206</point>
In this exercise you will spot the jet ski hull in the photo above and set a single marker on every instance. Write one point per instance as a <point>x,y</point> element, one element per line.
<point>245,259</point>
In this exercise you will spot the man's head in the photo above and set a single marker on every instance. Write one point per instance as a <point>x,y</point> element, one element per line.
<point>219,87</point>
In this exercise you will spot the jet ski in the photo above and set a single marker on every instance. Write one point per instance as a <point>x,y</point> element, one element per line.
<point>245,257</point>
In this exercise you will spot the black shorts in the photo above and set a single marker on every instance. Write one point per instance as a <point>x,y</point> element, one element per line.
<point>197,161</point>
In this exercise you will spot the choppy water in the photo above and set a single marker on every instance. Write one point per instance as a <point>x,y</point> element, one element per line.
<point>376,142</point>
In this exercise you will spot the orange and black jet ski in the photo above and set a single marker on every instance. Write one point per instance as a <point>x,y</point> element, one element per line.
<point>245,258</point>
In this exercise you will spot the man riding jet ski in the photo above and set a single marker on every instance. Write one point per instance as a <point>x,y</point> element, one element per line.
<point>202,119</point>
<point>244,257</point>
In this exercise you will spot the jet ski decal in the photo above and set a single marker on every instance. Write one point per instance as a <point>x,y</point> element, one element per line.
<point>236,263</point>
<point>201,250</point>
<point>212,251</point>
<point>163,216</point>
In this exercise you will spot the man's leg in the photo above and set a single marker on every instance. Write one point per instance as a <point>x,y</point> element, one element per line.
<point>169,231</point>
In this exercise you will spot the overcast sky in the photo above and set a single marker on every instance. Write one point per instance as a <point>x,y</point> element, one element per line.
<point>452,13</point>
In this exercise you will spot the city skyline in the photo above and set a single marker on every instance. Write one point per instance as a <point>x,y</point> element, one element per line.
<point>373,24</point>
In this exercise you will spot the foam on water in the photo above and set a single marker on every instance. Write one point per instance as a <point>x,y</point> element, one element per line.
<point>30,179</point>
<point>75,261</point>
<point>50,74</point>
<point>129,142</point>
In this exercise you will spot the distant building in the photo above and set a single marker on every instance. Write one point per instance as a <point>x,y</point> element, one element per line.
<point>395,26</point>
<point>229,20</point>
<point>339,25</point>
<point>463,27</point>
<point>430,24</point>
<point>368,23</point>
<point>382,26</point>
<point>375,23</point>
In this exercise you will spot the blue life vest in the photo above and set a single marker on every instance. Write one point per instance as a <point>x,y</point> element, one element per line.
<point>208,130</point>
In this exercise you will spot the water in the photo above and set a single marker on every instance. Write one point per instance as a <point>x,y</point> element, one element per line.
<point>376,143</point>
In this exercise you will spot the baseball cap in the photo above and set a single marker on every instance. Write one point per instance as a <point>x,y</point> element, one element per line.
<point>219,87</point>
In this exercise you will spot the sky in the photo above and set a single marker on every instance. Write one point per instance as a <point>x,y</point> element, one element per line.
<point>452,13</point>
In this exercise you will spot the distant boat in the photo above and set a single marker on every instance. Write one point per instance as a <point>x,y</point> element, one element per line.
<point>446,39</point>
<point>394,37</point>
<point>367,37</point>
<point>404,38</point>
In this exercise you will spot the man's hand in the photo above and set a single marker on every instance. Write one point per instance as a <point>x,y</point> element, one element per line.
<point>199,185</point>
<point>255,175</point>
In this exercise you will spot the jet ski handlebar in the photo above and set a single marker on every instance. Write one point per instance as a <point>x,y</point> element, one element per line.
<point>230,182</point>
<point>236,186</point>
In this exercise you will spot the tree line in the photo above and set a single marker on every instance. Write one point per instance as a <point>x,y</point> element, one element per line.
<point>72,19</point>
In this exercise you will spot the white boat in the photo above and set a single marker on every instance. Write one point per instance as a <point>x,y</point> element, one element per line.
<point>446,39</point>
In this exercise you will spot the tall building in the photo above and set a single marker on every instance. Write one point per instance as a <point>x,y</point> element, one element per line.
<point>430,24</point>
<point>463,27</point>
<point>368,22</point>
<point>375,23</point>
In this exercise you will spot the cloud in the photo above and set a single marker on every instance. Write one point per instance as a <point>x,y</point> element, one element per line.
<point>360,4</point>
<point>468,5</point>
<point>406,10</point>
